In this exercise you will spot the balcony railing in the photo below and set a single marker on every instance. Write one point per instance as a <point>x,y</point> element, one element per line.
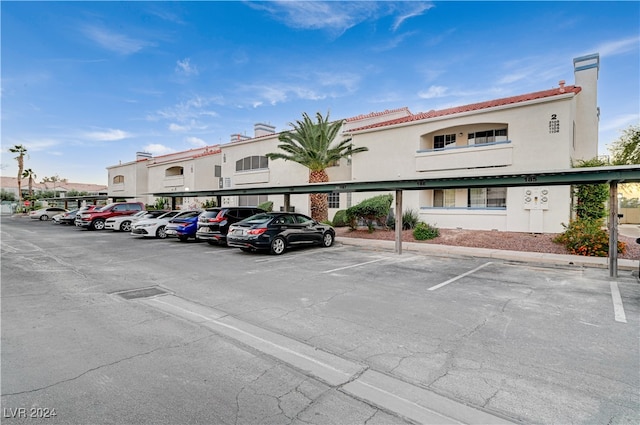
<point>496,154</point>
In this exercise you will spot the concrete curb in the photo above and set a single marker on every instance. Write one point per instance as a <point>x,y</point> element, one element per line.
<point>462,251</point>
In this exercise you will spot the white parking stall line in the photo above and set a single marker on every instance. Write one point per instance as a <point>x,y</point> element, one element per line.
<point>618,309</point>
<point>440,285</point>
<point>354,265</point>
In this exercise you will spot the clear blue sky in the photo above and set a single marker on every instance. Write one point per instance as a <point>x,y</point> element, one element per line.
<point>88,84</point>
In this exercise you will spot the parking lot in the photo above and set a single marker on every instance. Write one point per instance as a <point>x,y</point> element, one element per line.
<point>520,342</point>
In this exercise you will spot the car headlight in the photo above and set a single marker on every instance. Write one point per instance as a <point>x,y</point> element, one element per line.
<point>143,225</point>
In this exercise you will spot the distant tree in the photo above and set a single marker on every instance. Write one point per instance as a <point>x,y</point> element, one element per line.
<point>31,175</point>
<point>21,151</point>
<point>311,144</point>
<point>7,196</point>
<point>626,150</point>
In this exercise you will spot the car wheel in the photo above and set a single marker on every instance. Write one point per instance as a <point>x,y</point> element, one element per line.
<point>160,234</point>
<point>125,226</point>
<point>327,239</point>
<point>44,217</point>
<point>97,225</point>
<point>183,238</point>
<point>278,245</point>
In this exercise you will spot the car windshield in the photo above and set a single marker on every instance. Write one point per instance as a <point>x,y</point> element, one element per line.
<point>188,214</point>
<point>210,213</point>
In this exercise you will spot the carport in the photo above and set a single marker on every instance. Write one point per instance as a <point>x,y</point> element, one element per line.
<point>612,175</point>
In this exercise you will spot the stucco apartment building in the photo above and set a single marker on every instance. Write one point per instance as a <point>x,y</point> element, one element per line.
<point>541,131</point>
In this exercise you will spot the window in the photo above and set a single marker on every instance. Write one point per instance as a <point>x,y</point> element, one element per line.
<point>217,171</point>
<point>444,198</point>
<point>118,179</point>
<point>252,163</point>
<point>252,200</point>
<point>488,136</point>
<point>491,197</point>
<point>174,171</point>
<point>334,200</point>
<point>444,140</point>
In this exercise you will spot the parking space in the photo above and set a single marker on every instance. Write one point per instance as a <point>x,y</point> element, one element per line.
<point>527,342</point>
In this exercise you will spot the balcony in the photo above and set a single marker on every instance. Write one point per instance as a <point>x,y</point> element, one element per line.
<point>173,181</point>
<point>251,177</point>
<point>496,154</point>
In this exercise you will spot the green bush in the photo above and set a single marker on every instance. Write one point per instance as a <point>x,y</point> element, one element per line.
<point>267,206</point>
<point>371,209</point>
<point>587,237</point>
<point>591,198</point>
<point>410,219</point>
<point>340,219</point>
<point>424,231</point>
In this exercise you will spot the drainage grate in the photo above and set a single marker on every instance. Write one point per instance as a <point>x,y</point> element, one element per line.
<point>141,293</point>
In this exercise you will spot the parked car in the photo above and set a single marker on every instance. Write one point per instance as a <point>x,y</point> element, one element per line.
<point>213,223</point>
<point>183,227</point>
<point>278,231</point>
<point>94,220</point>
<point>45,214</point>
<point>56,218</point>
<point>154,227</point>
<point>70,217</point>
<point>67,217</point>
<point>123,223</point>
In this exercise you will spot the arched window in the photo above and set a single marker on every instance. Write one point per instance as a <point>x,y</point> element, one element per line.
<point>174,171</point>
<point>118,179</point>
<point>252,163</point>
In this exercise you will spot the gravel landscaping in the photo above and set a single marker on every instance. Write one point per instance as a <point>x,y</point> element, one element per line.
<point>513,241</point>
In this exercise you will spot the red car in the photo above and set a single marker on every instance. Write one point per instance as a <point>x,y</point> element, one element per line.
<point>94,220</point>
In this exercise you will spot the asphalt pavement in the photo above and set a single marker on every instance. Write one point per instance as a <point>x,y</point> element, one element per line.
<point>104,327</point>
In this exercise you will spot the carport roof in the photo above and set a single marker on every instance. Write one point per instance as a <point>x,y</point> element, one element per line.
<point>590,175</point>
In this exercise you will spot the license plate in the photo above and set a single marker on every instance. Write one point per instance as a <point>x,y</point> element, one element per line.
<point>170,232</point>
<point>204,230</point>
<point>238,232</point>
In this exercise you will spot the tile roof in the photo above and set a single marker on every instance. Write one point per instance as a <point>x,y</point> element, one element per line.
<point>12,183</point>
<point>563,90</point>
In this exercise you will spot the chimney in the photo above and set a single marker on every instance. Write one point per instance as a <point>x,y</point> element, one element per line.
<point>261,129</point>
<point>237,137</point>
<point>142,156</point>
<point>561,84</point>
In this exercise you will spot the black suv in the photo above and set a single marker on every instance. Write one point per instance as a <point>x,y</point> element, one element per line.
<point>213,223</point>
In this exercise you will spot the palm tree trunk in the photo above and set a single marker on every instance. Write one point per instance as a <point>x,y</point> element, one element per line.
<point>20,171</point>
<point>319,201</point>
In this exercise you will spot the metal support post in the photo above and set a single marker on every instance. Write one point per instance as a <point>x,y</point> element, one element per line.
<point>613,229</point>
<point>398,221</point>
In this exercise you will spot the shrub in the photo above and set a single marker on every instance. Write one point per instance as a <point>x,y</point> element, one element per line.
<point>209,203</point>
<point>410,219</point>
<point>424,231</point>
<point>267,206</point>
<point>371,209</point>
<point>591,198</point>
<point>587,237</point>
<point>340,219</point>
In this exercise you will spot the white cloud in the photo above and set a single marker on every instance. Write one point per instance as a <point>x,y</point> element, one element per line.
<point>187,112</point>
<point>338,16</point>
<point>195,141</point>
<point>184,67</point>
<point>617,47</point>
<point>158,149</point>
<point>115,42</point>
<point>433,92</point>
<point>177,128</point>
<point>414,9</point>
<point>619,122</point>
<point>109,135</point>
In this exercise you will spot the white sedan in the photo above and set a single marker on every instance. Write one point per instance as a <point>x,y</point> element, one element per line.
<point>154,227</point>
<point>123,223</point>
<point>45,214</point>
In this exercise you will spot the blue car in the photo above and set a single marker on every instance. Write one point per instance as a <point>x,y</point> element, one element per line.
<point>183,227</point>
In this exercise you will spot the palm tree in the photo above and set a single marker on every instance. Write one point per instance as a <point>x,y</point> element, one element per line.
<point>21,151</point>
<point>310,144</point>
<point>29,173</point>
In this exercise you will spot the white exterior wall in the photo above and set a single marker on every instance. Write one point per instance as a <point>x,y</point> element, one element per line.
<point>134,186</point>
<point>398,153</point>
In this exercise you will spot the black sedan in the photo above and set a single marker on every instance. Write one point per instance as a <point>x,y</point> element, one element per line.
<point>277,231</point>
